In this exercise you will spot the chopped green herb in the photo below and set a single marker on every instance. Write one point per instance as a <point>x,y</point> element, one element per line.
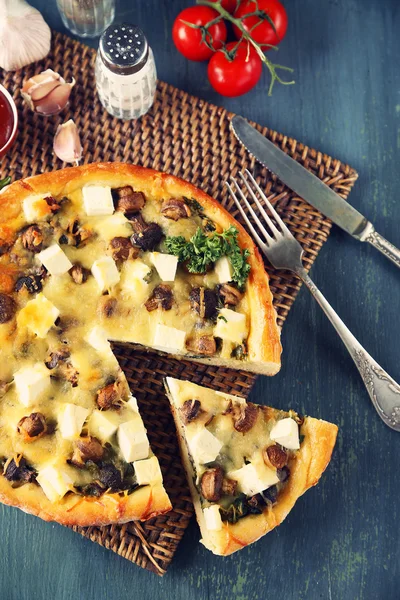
<point>222,318</point>
<point>4,182</point>
<point>194,206</point>
<point>203,250</point>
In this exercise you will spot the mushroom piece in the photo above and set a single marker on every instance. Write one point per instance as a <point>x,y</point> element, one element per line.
<point>68,371</point>
<point>79,274</point>
<point>244,417</point>
<point>107,306</point>
<point>203,301</point>
<point>109,397</point>
<point>73,234</point>
<point>190,410</point>
<point>65,369</point>
<point>8,308</point>
<point>230,295</point>
<point>175,209</point>
<point>110,477</point>
<point>161,297</point>
<point>56,358</point>
<point>19,471</point>
<point>32,238</point>
<point>127,200</point>
<point>121,248</point>
<point>205,345</point>
<point>146,235</point>
<point>275,456</point>
<point>54,204</point>
<point>87,448</point>
<point>211,484</point>
<point>32,427</point>
<point>31,283</point>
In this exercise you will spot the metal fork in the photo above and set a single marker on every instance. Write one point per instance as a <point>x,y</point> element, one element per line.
<point>284,252</point>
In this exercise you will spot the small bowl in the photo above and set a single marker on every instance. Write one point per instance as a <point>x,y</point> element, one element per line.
<point>13,135</point>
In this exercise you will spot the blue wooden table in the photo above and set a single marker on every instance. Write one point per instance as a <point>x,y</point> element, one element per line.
<point>342,540</point>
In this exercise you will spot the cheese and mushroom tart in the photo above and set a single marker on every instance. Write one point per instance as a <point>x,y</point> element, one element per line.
<point>111,252</point>
<point>246,464</point>
<point>147,257</point>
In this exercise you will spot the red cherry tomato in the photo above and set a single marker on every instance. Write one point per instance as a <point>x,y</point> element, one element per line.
<point>237,73</point>
<point>189,40</point>
<point>260,28</point>
<point>229,5</point>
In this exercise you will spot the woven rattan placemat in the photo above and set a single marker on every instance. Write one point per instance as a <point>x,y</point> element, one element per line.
<point>191,139</point>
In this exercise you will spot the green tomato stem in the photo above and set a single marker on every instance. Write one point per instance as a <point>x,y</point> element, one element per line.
<point>224,14</point>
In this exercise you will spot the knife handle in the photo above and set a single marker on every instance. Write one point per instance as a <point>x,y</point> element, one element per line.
<point>384,246</point>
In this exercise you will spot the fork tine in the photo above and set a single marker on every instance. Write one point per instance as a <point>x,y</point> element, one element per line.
<point>269,238</point>
<point>266,216</point>
<point>265,199</point>
<point>263,245</point>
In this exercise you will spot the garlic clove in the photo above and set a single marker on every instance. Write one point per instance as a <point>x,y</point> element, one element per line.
<point>47,93</point>
<point>24,35</point>
<point>54,102</point>
<point>67,145</point>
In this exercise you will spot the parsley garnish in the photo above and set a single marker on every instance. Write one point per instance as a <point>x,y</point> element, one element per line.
<point>202,250</point>
<point>4,182</point>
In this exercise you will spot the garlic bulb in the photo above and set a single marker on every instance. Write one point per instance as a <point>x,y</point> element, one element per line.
<point>67,145</point>
<point>24,35</point>
<point>47,93</point>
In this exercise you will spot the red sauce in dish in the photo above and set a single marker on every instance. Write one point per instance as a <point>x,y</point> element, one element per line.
<point>6,120</point>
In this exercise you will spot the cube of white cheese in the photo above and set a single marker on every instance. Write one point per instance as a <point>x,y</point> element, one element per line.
<point>212,517</point>
<point>105,272</point>
<point>55,260</point>
<point>71,420</point>
<point>54,482</point>
<point>254,478</point>
<point>147,471</point>
<point>168,338</point>
<point>103,424</point>
<point>36,207</point>
<point>32,383</point>
<point>223,269</point>
<point>38,315</point>
<point>231,326</point>
<point>97,338</point>
<point>132,440</point>
<point>165,264</point>
<point>133,274</point>
<point>204,447</point>
<point>286,433</point>
<point>132,403</point>
<point>97,200</point>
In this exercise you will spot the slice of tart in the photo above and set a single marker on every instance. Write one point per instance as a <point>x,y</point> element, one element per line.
<point>73,447</point>
<point>246,464</point>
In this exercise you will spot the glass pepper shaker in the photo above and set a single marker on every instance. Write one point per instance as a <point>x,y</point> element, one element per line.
<point>126,74</point>
<point>86,18</point>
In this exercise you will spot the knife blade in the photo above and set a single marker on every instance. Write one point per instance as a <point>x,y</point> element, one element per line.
<point>311,188</point>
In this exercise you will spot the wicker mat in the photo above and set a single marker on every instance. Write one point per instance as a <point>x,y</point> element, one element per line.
<point>191,139</point>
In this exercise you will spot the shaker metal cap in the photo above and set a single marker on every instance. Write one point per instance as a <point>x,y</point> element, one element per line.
<point>124,48</point>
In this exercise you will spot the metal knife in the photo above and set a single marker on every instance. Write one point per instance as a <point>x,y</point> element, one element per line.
<point>310,188</point>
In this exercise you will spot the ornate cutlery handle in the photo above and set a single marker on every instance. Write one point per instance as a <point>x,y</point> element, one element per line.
<point>384,246</point>
<point>383,390</point>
